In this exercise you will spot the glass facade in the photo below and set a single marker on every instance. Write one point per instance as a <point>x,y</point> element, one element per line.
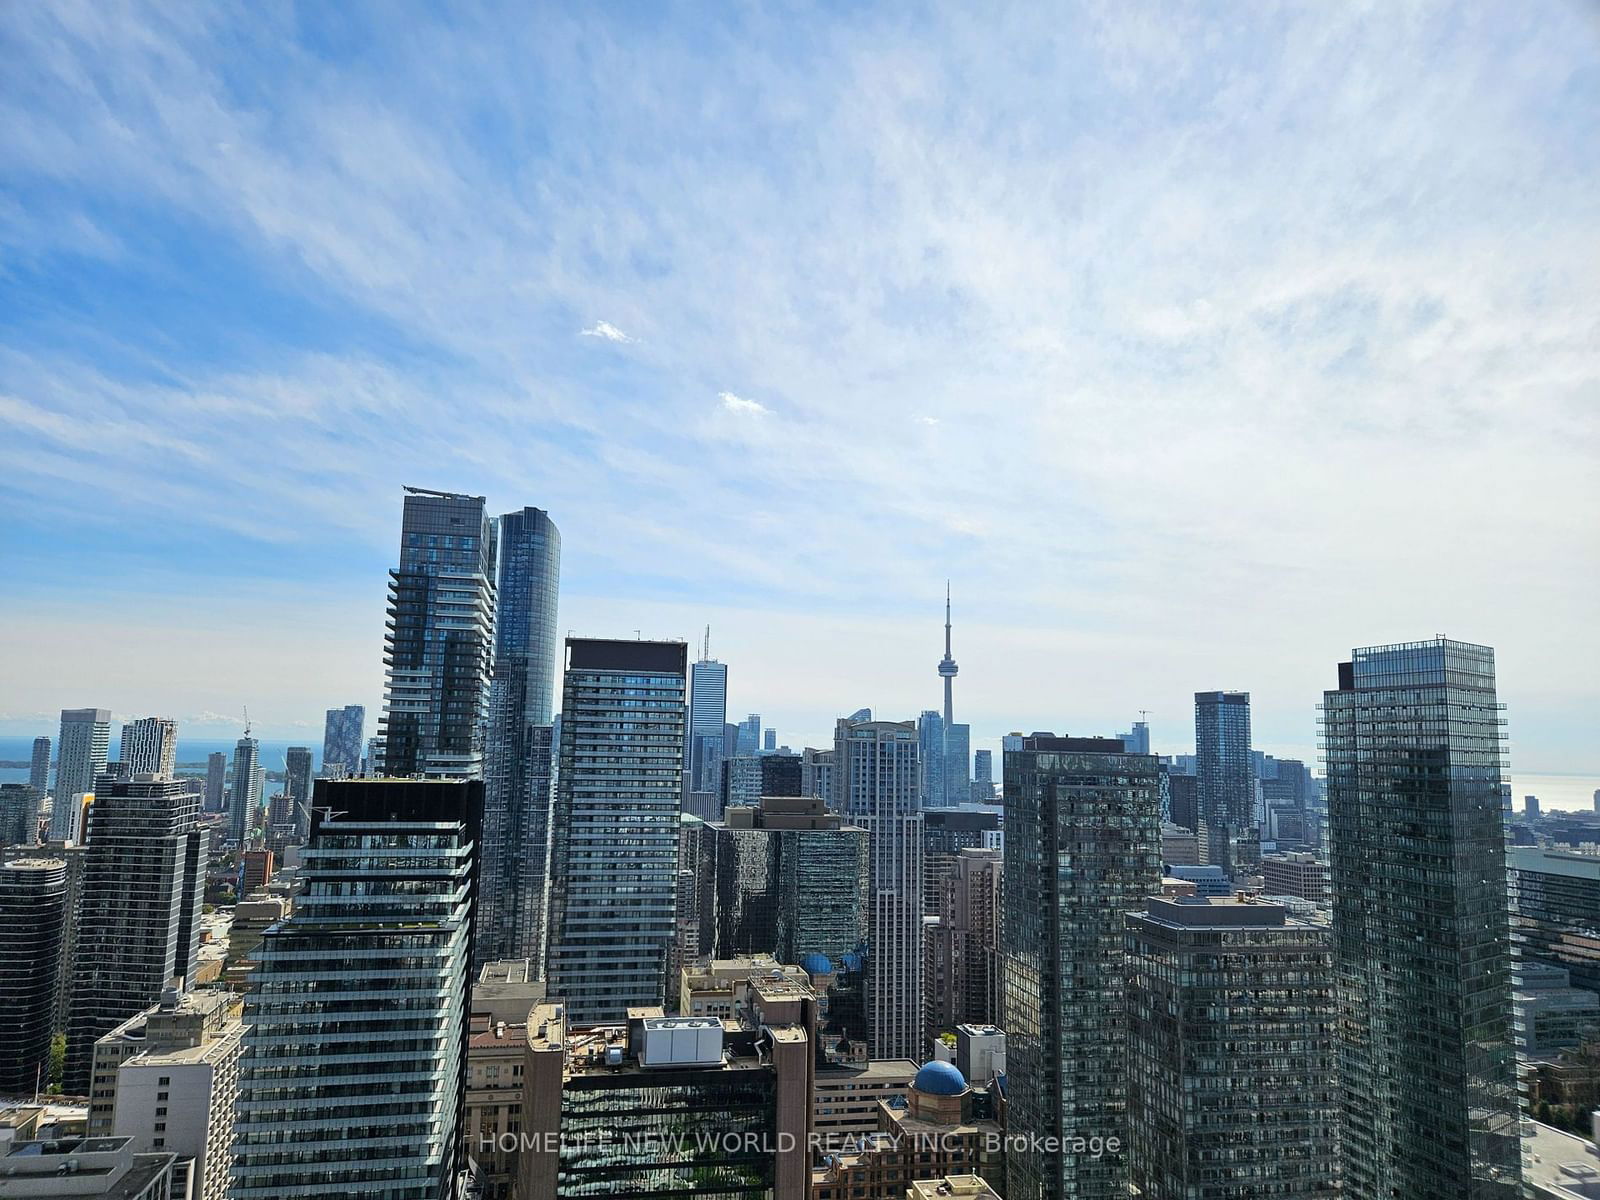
<point>1230,835</point>
<point>342,731</point>
<point>1555,910</point>
<point>1412,743</point>
<point>789,892</point>
<point>516,818</point>
<point>1082,848</point>
<point>353,1068</point>
<point>708,713</point>
<point>614,831</point>
<point>440,642</point>
<point>33,914</point>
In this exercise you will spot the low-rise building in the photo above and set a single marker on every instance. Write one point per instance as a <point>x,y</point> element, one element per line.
<point>846,1096</point>
<point>496,1058</point>
<point>952,1187</point>
<point>506,991</point>
<point>1547,1013</point>
<point>1295,874</point>
<point>81,1168</point>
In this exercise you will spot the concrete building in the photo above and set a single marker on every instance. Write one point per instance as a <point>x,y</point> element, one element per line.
<point>952,1187</point>
<point>150,746</point>
<point>1414,761</point>
<point>138,911</point>
<point>615,827</point>
<point>1295,874</point>
<point>1209,881</point>
<point>1548,1013</point>
<point>1179,846</point>
<point>368,981</point>
<point>81,755</point>
<point>496,1057</point>
<point>439,650</point>
<point>946,832</point>
<point>1083,847</point>
<point>962,972</point>
<point>506,991</point>
<point>33,897</point>
<point>80,1168</point>
<point>1231,1070</point>
<point>714,1107</point>
<point>846,1096</point>
<point>876,784</point>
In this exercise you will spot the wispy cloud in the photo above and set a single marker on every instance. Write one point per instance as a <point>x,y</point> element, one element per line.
<point>741,406</point>
<point>606,330</point>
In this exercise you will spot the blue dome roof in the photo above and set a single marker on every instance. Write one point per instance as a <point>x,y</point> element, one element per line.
<point>816,964</point>
<point>852,962</point>
<point>939,1079</point>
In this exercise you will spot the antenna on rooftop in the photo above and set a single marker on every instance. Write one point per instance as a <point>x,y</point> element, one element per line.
<point>705,647</point>
<point>247,720</point>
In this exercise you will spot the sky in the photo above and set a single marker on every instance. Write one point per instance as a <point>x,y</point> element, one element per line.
<point>1193,344</point>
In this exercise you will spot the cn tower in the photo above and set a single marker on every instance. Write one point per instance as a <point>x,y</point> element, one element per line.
<point>947,665</point>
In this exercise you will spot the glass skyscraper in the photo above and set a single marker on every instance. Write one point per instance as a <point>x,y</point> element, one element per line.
<point>1082,849</point>
<point>244,798</point>
<point>353,1073</point>
<point>150,746</point>
<point>341,740</point>
<point>708,713</point>
<point>516,816</point>
<point>1412,741</point>
<point>39,768</point>
<point>614,829</point>
<point>81,756</point>
<point>1230,837</point>
<point>33,921</point>
<point>440,646</point>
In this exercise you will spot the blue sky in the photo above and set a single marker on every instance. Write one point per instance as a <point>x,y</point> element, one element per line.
<point>1194,344</point>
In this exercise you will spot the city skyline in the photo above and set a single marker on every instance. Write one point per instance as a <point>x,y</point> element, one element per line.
<point>1243,337</point>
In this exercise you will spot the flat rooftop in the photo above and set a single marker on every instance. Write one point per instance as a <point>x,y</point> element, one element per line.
<point>1557,1165</point>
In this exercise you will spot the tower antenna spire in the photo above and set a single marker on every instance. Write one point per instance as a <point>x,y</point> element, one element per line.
<point>247,720</point>
<point>705,647</point>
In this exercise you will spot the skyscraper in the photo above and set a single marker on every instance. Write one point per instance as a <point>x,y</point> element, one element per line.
<point>1082,848</point>
<point>85,743</point>
<point>150,746</point>
<point>367,986</point>
<point>19,815</point>
<point>39,770</point>
<point>516,817</point>
<point>962,975</point>
<point>244,799</point>
<point>1231,1072</point>
<point>297,788</point>
<point>1225,788</point>
<point>1137,739</point>
<point>138,922</point>
<point>33,913</point>
<point>1412,736</point>
<point>216,781</point>
<point>930,753</point>
<point>342,732</point>
<point>439,650</point>
<point>749,736</point>
<point>614,830</point>
<point>708,713</point>
<point>876,783</point>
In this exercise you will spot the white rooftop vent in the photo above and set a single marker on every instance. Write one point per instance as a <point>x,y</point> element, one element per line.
<point>681,1042</point>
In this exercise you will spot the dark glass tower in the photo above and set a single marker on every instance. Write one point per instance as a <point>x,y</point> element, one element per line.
<point>1412,745</point>
<point>341,740</point>
<point>440,643</point>
<point>1082,848</point>
<point>614,831</point>
<point>138,921</point>
<point>33,915</point>
<point>1226,793</point>
<point>516,816</point>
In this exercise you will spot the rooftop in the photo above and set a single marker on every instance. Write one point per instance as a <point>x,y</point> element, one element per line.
<point>1557,1165</point>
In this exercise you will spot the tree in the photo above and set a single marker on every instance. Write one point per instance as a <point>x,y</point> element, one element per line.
<point>58,1060</point>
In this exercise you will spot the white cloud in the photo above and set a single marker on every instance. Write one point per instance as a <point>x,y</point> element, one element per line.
<point>741,406</point>
<point>606,330</point>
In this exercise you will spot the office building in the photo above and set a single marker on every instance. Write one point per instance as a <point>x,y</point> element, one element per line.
<point>516,815</point>
<point>930,752</point>
<point>150,746</point>
<point>439,651</point>
<point>876,784</point>
<point>708,713</point>
<point>1225,782</point>
<point>244,797</point>
<point>76,1168</point>
<point>961,978</point>
<point>846,1096</point>
<point>1548,1013</point>
<point>1555,909</point>
<point>84,744</point>
<point>1231,1071</point>
<point>297,784</point>
<point>138,910</point>
<point>19,815</point>
<point>167,1078</point>
<point>712,1108</point>
<point>39,770</point>
<point>1083,847</point>
<point>1137,739</point>
<point>216,781</point>
<point>791,879</point>
<point>496,1052</point>
<point>33,917</point>
<point>614,831</point>
<point>1179,846</point>
<point>747,736</point>
<point>746,778</point>
<point>368,981</point>
<point>1413,751</point>
<point>1295,874</point>
<point>342,734</point>
<point>1183,799</point>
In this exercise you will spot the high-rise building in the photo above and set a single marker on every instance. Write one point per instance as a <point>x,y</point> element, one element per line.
<point>614,829</point>
<point>244,798</point>
<point>342,732</point>
<point>983,777</point>
<point>1137,739</point>
<point>946,832</point>
<point>216,781</point>
<point>748,739</point>
<point>33,915</point>
<point>39,770</point>
<point>1183,798</point>
<point>877,778</point>
<point>1225,784</point>
<point>1555,896</point>
<point>1082,848</point>
<point>791,880</point>
<point>439,651</point>
<point>516,815</point>
<point>1413,752</point>
<point>1530,807</point>
<point>816,773</point>
<point>708,713</point>
<point>769,740</point>
<point>138,919</point>
<point>962,975</point>
<point>83,748</point>
<point>297,782</point>
<point>19,815</point>
<point>150,746</point>
<point>367,983</point>
<point>930,753</point>
<point>1232,1090</point>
